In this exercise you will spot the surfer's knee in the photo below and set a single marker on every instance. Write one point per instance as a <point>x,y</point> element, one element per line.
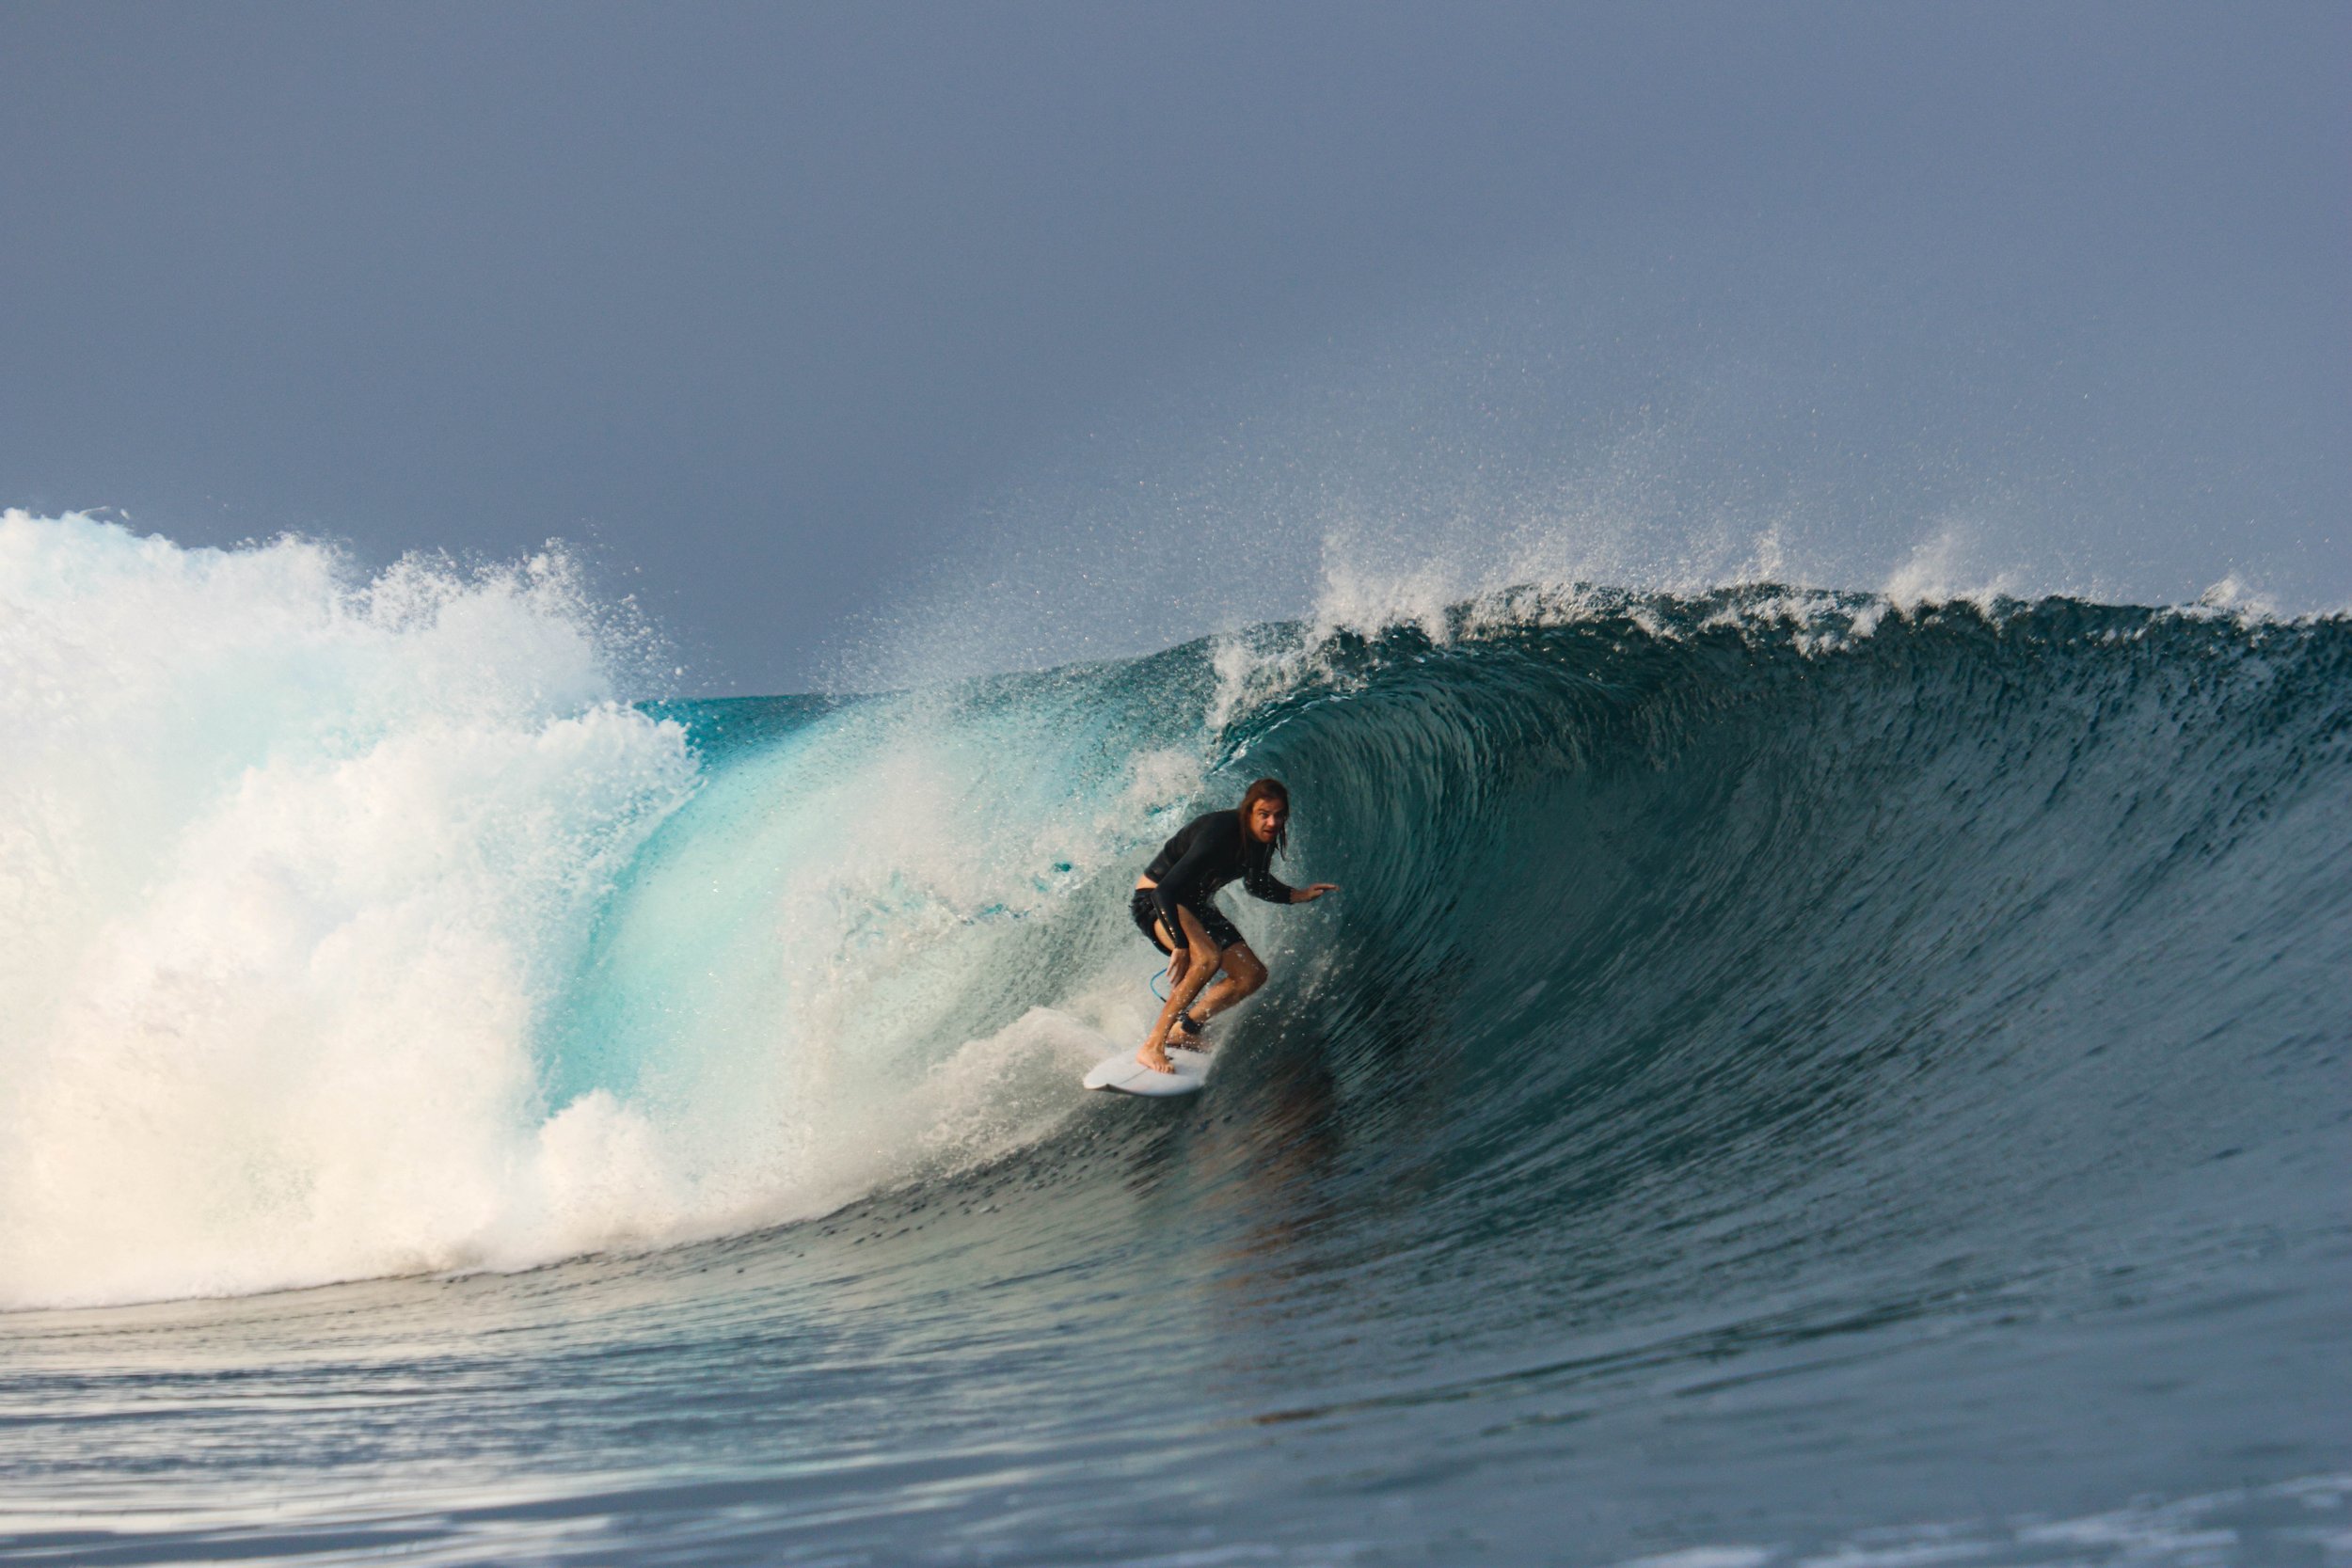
<point>1243,967</point>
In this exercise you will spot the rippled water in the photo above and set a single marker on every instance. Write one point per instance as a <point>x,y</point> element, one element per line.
<point>1786,1079</point>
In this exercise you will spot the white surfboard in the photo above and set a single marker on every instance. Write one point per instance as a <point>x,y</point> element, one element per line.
<point>1128,1076</point>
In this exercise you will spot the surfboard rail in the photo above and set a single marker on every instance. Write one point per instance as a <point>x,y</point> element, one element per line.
<point>1125,1075</point>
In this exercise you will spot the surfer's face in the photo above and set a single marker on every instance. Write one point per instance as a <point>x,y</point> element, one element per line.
<point>1265,820</point>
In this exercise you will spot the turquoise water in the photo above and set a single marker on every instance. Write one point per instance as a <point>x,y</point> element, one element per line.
<point>1787,1078</point>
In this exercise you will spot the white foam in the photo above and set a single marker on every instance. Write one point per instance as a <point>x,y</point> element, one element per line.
<point>299,872</point>
<point>1706,1557</point>
<point>291,862</point>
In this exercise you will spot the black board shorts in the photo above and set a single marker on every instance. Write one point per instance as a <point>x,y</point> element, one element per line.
<point>1147,913</point>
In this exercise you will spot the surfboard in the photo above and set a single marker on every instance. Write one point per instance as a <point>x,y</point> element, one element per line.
<point>1125,1074</point>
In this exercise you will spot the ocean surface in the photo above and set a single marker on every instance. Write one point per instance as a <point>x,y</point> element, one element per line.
<point>1789,1077</point>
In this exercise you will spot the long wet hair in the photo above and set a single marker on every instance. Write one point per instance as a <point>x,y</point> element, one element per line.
<point>1266,789</point>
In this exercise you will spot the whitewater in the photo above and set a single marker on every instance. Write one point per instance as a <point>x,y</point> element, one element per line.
<point>1791,1075</point>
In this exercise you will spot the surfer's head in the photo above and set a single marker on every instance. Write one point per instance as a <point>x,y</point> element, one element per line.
<point>1265,813</point>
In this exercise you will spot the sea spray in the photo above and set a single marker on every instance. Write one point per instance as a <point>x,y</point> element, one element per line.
<point>296,863</point>
<point>358,928</point>
<point>358,925</point>
<point>1788,1073</point>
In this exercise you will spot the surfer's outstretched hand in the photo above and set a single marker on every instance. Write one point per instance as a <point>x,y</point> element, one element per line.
<point>1308,895</point>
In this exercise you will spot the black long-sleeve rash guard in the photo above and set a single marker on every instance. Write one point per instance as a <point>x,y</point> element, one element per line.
<point>1209,852</point>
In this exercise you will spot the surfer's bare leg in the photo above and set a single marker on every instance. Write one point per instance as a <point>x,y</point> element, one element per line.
<point>1199,967</point>
<point>1177,957</point>
<point>1243,975</point>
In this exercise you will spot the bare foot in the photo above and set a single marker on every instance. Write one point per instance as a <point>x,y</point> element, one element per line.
<point>1155,1058</point>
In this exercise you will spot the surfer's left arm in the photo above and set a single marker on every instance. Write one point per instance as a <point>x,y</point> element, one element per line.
<point>1266,885</point>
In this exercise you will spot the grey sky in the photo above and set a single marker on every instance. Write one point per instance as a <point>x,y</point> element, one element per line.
<point>820,321</point>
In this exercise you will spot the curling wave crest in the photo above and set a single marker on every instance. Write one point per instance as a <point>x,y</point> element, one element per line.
<point>352,926</point>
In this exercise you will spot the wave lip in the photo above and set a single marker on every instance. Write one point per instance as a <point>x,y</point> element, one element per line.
<point>357,926</point>
<point>1787,1066</point>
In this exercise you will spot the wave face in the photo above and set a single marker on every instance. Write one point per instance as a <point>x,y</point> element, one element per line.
<point>1772,1037</point>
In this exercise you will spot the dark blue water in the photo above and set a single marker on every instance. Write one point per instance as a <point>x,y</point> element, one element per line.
<point>1836,1085</point>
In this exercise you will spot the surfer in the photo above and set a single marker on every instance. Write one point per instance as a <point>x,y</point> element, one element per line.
<point>1175,905</point>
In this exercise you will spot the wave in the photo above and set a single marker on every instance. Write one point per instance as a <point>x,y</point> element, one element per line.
<point>354,927</point>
